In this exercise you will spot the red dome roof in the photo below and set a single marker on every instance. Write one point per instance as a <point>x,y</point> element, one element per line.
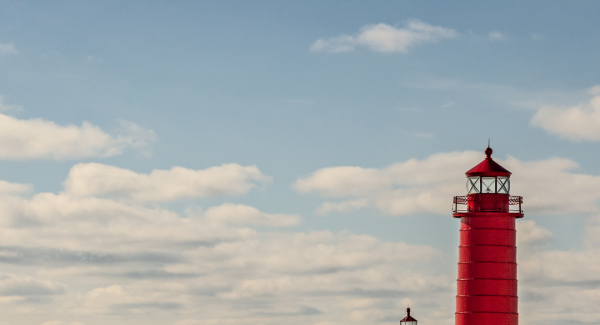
<point>488,167</point>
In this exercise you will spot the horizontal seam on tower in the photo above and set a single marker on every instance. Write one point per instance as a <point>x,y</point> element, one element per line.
<point>468,279</point>
<point>486,245</point>
<point>472,262</point>
<point>508,229</point>
<point>486,312</point>
<point>487,296</point>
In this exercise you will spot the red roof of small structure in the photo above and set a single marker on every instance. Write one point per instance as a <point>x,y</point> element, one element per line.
<point>408,318</point>
<point>488,167</point>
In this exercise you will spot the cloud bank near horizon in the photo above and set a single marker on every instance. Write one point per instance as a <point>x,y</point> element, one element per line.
<point>134,258</point>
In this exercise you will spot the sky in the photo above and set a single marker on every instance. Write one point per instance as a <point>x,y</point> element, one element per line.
<point>271,162</point>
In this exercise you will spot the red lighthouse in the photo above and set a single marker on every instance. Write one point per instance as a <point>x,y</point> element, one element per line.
<point>487,259</point>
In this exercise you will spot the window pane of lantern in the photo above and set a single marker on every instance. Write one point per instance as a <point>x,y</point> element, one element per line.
<point>488,185</point>
<point>472,185</point>
<point>503,185</point>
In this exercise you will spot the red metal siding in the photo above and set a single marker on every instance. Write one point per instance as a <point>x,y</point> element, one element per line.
<point>487,269</point>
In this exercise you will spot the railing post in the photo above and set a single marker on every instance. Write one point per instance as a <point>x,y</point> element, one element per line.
<point>520,201</point>
<point>455,205</point>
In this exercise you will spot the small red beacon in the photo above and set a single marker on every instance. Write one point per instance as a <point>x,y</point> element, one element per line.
<point>408,320</point>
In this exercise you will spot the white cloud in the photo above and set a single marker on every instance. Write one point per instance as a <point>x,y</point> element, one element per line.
<point>530,233</point>
<point>39,139</point>
<point>496,36</point>
<point>576,123</point>
<point>428,186</point>
<point>93,179</point>
<point>8,49</point>
<point>385,38</point>
<point>245,215</point>
<point>402,188</point>
<point>7,188</point>
<point>88,257</point>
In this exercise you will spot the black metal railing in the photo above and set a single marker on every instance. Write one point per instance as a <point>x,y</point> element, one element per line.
<point>460,204</point>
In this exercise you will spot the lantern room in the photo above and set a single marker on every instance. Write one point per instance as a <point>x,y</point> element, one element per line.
<point>408,320</point>
<point>488,190</point>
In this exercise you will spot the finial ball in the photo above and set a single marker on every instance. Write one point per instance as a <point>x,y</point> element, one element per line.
<point>488,152</point>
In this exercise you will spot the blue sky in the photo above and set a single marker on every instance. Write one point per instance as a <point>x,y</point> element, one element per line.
<point>265,162</point>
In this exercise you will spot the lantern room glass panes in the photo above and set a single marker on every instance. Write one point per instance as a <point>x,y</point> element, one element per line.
<point>500,185</point>
<point>488,185</point>
<point>503,185</point>
<point>408,323</point>
<point>473,185</point>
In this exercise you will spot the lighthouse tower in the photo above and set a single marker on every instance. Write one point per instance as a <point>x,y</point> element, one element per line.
<point>487,259</point>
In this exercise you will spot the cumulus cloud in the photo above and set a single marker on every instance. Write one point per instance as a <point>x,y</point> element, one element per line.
<point>40,139</point>
<point>8,49</point>
<point>7,188</point>
<point>385,38</point>
<point>428,185</point>
<point>93,179</point>
<point>576,123</point>
<point>402,188</point>
<point>530,233</point>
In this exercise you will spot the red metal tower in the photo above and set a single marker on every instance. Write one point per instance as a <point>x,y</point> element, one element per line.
<point>487,255</point>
